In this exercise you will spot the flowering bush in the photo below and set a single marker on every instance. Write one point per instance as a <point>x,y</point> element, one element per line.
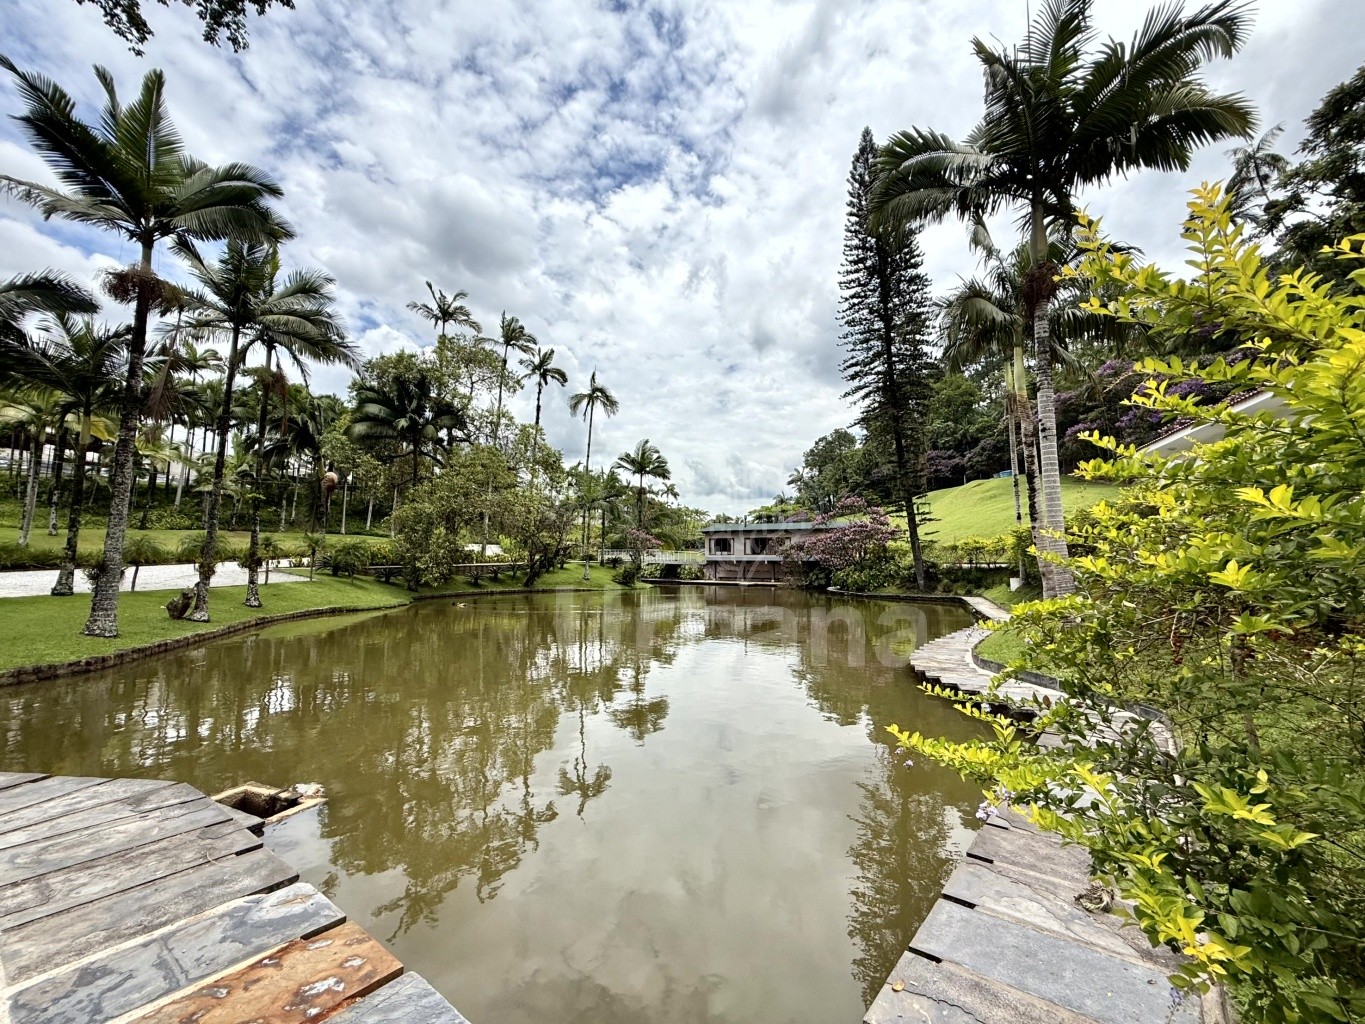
<point>853,535</point>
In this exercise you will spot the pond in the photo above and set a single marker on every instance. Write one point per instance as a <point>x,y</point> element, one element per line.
<point>671,806</point>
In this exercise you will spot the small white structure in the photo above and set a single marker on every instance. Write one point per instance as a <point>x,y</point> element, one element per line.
<point>1182,439</point>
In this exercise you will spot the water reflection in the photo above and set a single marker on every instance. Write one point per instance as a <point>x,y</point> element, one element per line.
<point>664,806</point>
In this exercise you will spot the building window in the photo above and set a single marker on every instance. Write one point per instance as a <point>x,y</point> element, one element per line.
<point>720,545</point>
<point>759,545</point>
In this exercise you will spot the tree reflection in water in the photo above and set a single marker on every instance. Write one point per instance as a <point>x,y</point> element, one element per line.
<point>449,738</point>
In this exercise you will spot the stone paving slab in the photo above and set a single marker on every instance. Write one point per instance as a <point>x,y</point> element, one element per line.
<point>409,1000</point>
<point>947,993</point>
<point>1098,986</point>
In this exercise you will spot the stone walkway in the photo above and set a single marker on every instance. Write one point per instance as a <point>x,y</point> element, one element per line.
<point>1008,940</point>
<point>35,583</point>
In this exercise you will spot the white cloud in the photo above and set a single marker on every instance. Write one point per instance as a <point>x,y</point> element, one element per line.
<point>657,190</point>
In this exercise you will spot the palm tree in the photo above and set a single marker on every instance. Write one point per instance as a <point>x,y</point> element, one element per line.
<point>408,412</point>
<point>1060,117</point>
<point>444,310</point>
<point>38,410</point>
<point>597,396</point>
<point>540,366</point>
<point>512,335</point>
<point>1255,168</point>
<point>194,361</point>
<point>83,362</point>
<point>129,174</point>
<point>238,296</point>
<point>46,292</point>
<point>313,331</point>
<point>645,461</point>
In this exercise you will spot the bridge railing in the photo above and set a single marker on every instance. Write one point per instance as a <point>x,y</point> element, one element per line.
<point>657,557</point>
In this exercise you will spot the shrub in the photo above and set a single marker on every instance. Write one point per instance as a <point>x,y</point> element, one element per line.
<point>627,575</point>
<point>348,557</point>
<point>12,556</point>
<point>140,550</point>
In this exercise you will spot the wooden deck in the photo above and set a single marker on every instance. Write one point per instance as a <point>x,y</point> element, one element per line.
<point>144,901</point>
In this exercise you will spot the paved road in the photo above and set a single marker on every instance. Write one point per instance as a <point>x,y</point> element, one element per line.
<point>152,577</point>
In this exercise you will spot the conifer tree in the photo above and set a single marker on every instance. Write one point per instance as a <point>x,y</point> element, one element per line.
<point>885,311</point>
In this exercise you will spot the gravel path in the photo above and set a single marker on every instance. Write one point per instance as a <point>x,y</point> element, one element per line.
<point>38,582</point>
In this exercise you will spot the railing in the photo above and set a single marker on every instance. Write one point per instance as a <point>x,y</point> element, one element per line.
<point>657,557</point>
<point>767,556</point>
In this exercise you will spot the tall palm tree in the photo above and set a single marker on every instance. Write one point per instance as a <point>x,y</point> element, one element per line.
<point>1061,116</point>
<point>512,335</point>
<point>408,412</point>
<point>586,403</point>
<point>128,173</point>
<point>1255,169</point>
<point>82,361</point>
<point>540,367</point>
<point>37,410</point>
<point>195,362</point>
<point>645,461</point>
<point>313,331</point>
<point>238,297</point>
<point>444,310</point>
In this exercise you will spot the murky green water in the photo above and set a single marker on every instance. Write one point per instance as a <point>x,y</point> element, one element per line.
<point>673,807</point>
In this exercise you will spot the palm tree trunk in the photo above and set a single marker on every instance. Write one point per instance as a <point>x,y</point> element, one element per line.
<point>540,389</point>
<point>587,472</point>
<point>66,575</point>
<point>253,550</point>
<point>1014,454</point>
<point>55,492</point>
<point>345,498</point>
<point>1029,442</point>
<point>185,469</point>
<point>31,491</point>
<point>369,513</point>
<point>208,560</point>
<point>103,620</point>
<point>1053,514</point>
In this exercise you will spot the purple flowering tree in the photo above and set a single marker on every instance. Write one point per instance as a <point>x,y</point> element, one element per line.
<point>850,535</point>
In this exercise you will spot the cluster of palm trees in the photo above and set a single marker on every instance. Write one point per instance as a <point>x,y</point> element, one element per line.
<point>1063,112</point>
<point>128,173</point>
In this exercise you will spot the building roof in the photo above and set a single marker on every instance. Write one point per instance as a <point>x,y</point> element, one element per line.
<point>1184,437</point>
<point>757,527</point>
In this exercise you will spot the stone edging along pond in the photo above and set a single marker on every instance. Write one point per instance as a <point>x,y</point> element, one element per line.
<point>96,662</point>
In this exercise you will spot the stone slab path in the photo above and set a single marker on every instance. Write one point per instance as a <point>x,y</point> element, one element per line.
<point>1007,942</point>
<point>146,901</point>
<point>38,582</point>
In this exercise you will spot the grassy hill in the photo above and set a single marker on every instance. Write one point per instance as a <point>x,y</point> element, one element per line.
<point>985,508</point>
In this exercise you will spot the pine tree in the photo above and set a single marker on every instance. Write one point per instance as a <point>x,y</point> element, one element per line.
<point>885,310</point>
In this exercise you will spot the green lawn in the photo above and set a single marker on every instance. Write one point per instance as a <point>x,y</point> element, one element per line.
<point>985,508</point>
<point>1004,645</point>
<point>46,630</point>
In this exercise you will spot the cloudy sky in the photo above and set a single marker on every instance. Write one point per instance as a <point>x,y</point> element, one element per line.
<point>655,188</point>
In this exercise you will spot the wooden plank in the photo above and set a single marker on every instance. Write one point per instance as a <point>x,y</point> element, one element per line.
<point>56,891</point>
<point>52,942</point>
<point>80,800</point>
<point>37,858</point>
<point>120,981</point>
<point>8,780</point>
<point>18,797</point>
<point>409,1000</point>
<point>304,981</point>
<point>102,814</point>
<point>1109,989</point>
